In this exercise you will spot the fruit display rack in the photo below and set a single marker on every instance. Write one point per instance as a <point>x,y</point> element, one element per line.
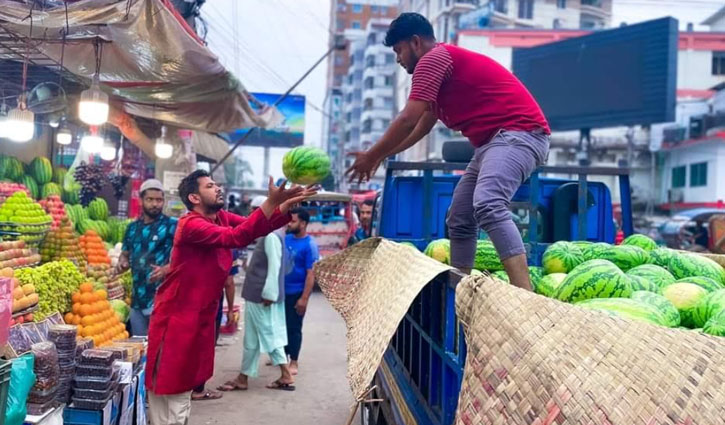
<point>32,234</point>
<point>32,309</point>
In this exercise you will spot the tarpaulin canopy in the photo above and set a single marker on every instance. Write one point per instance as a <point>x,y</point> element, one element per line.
<point>151,61</point>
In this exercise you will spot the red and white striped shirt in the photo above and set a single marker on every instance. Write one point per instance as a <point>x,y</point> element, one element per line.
<point>474,94</point>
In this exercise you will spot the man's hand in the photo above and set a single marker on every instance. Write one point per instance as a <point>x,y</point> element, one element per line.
<point>230,315</point>
<point>363,168</point>
<point>267,303</point>
<point>122,265</point>
<point>285,199</point>
<point>301,306</point>
<point>158,273</point>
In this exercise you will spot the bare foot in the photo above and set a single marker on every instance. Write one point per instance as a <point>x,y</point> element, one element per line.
<point>293,367</point>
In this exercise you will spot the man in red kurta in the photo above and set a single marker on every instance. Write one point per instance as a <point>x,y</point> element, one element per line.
<point>181,330</point>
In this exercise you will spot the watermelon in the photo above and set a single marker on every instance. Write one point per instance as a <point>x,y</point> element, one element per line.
<point>487,257</point>
<point>11,168</point>
<point>85,225</point>
<point>653,273</point>
<point>72,196</point>
<point>688,265</point>
<point>32,186</point>
<point>625,256</point>
<point>716,325</point>
<point>501,275</point>
<point>582,244</point>
<point>626,308</point>
<point>640,283</point>
<point>592,251</point>
<point>103,230</point>
<point>661,257</point>
<point>439,250</point>
<point>535,275</point>
<point>709,284</point>
<point>59,175</point>
<point>686,297</point>
<point>641,241</point>
<point>410,245</point>
<point>549,284</point>
<point>594,279</point>
<point>712,304</point>
<point>561,257</point>
<point>50,189</point>
<point>306,165</point>
<point>98,209</point>
<point>668,310</point>
<point>41,170</point>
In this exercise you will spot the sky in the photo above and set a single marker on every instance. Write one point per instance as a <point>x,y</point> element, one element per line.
<point>278,41</point>
<point>685,11</point>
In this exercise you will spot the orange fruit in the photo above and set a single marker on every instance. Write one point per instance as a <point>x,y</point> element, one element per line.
<point>76,319</point>
<point>85,310</point>
<point>86,287</point>
<point>86,298</point>
<point>76,297</point>
<point>80,330</point>
<point>86,331</point>
<point>101,294</point>
<point>106,304</point>
<point>76,307</point>
<point>125,334</point>
<point>96,340</point>
<point>68,318</point>
<point>92,297</point>
<point>87,321</point>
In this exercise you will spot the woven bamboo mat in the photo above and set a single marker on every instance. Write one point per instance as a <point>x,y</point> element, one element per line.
<point>533,360</point>
<point>718,258</point>
<point>372,284</point>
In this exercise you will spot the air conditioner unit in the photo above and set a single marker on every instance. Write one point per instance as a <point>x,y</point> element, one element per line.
<point>676,195</point>
<point>697,127</point>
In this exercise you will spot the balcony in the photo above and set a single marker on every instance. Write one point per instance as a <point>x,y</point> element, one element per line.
<point>594,9</point>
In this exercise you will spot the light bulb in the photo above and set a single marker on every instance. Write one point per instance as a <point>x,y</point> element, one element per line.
<point>108,151</point>
<point>64,136</point>
<point>20,125</point>
<point>93,106</point>
<point>163,150</point>
<point>91,143</point>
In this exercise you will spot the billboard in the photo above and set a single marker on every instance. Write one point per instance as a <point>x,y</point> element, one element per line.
<point>290,133</point>
<point>619,77</point>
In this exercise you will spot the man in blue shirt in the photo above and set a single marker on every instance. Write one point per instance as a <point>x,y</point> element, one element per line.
<point>146,251</point>
<point>299,280</point>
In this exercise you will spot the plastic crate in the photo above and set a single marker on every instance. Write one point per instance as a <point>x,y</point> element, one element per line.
<point>5,369</point>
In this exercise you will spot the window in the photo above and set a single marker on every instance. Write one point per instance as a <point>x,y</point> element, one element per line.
<point>386,123</point>
<point>388,81</point>
<point>526,9</point>
<point>341,7</point>
<point>698,174</point>
<point>349,97</point>
<point>389,58</point>
<point>384,10</point>
<point>370,61</point>
<point>340,24</point>
<point>678,177</point>
<point>374,9</point>
<point>349,78</point>
<point>388,102</point>
<point>369,83</point>
<point>718,63</point>
<point>356,25</point>
<point>347,136</point>
<point>501,6</point>
<point>348,117</point>
<point>372,38</point>
<point>357,8</point>
<point>339,60</point>
<point>561,4</point>
<point>367,125</point>
<point>368,104</point>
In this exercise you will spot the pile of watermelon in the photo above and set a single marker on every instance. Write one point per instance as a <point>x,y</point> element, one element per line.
<point>636,280</point>
<point>39,177</point>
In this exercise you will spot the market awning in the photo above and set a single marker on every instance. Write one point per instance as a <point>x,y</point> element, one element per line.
<point>151,61</point>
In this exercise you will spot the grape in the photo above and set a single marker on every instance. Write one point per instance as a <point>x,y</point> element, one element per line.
<point>91,177</point>
<point>118,181</point>
<point>54,282</point>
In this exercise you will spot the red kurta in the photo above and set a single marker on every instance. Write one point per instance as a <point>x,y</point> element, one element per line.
<point>182,326</point>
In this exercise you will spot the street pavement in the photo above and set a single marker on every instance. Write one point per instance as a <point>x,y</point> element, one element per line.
<point>322,396</point>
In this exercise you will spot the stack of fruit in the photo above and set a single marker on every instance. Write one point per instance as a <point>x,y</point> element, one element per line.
<point>63,243</point>
<point>55,207</point>
<point>92,245</point>
<point>15,254</point>
<point>635,280</point>
<point>54,282</point>
<point>24,298</point>
<point>95,318</point>
<point>8,188</point>
<point>102,277</point>
<point>23,219</point>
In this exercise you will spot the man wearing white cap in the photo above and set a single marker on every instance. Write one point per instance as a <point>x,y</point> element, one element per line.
<point>146,251</point>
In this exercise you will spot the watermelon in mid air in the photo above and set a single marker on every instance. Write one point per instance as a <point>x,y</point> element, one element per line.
<point>306,165</point>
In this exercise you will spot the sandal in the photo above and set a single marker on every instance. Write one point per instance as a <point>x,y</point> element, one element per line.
<point>207,395</point>
<point>232,386</point>
<point>283,386</point>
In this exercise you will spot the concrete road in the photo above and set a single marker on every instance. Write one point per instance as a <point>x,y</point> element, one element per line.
<point>322,397</point>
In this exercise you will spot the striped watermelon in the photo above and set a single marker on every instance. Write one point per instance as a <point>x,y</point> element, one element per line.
<point>549,284</point>
<point>686,297</point>
<point>668,310</point>
<point>535,275</point>
<point>72,197</point>
<point>641,241</point>
<point>625,256</point>
<point>306,165</point>
<point>594,279</point>
<point>582,244</point>
<point>11,168</point>
<point>626,308</point>
<point>653,273</point>
<point>41,170</point>
<point>710,285</point>
<point>687,265</point>
<point>712,304</point>
<point>50,189</point>
<point>439,250</point>
<point>103,230</point>
<point>661,257</point>
<point>561,257</point>
<point>640,283</point>
<point>59,175</point>
<point>98,209</point>
<point>593,251</point>
<point>501,275</point>
<point>487,257</point>
<point>716,325</point>
<point>29,182</point>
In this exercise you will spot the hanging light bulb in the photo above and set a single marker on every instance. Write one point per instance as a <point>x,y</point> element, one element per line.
<point>108,151</point>
<point>92,143</point>
<point>163,149</point>
<point>64,136</point>
<point>93,107</point>
<point>20,124</point>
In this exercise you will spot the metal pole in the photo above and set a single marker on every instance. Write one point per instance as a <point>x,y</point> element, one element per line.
<point>279,100</point>
<point>265,174</point>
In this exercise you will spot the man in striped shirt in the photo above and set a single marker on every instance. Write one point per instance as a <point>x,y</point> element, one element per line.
<point>475,95</point>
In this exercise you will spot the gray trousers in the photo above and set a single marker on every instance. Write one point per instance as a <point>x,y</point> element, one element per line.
<point>482,197</point>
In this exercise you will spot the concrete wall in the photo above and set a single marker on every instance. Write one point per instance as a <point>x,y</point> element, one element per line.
<point>694,70</point>
<point>711,152</point>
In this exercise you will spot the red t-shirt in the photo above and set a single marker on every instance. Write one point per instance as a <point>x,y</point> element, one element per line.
<point>474,94</point>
